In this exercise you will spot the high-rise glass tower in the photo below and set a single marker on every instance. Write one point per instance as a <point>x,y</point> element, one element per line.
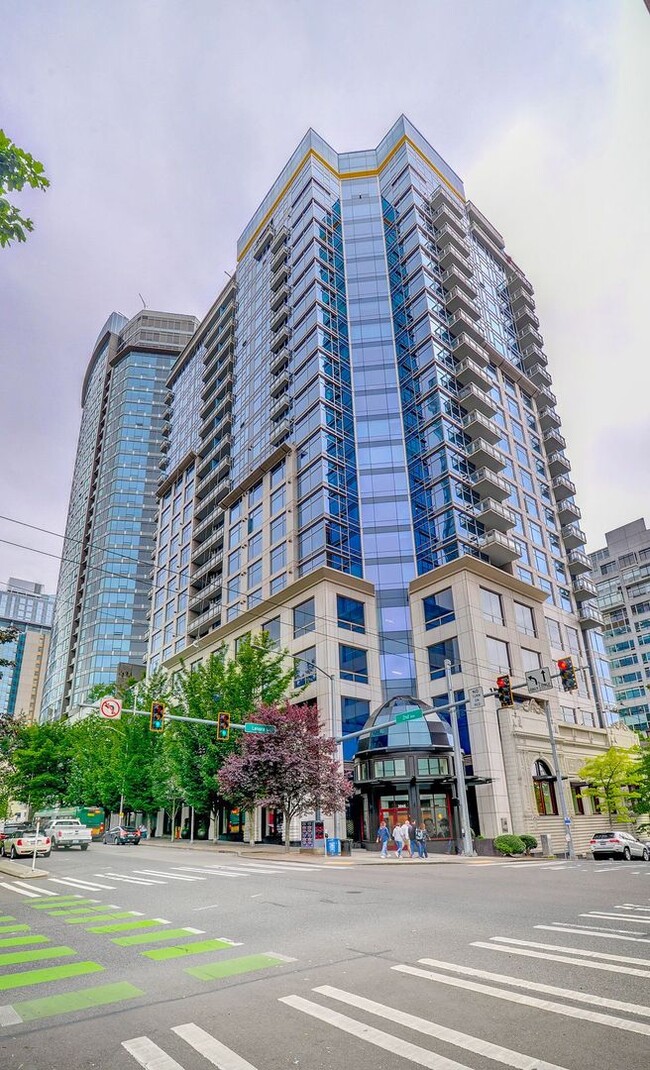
<point>100,622</point>
<point>26,610</point>
<point>379,475</point>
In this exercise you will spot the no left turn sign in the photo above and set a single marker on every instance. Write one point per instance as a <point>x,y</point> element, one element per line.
<point>111,708</point>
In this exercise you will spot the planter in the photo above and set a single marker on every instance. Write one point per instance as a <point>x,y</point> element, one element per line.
<point>485,848</point>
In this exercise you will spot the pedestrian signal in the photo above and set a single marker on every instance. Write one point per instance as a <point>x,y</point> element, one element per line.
<point>567,674</point>
<point>157,718</point>
<point>223,726</point>
<point>504,691</point>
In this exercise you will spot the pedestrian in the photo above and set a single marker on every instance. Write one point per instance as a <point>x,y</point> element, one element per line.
<point>421,841</point>
<point>412,837</point>
<point>383,837</point>
<point>406,836</point>
<point>398,836</point>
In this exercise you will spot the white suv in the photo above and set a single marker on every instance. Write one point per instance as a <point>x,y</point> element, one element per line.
<point>617,845</point>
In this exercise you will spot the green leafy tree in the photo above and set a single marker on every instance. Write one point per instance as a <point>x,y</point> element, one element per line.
<point>9,729</point>
<point>7,635</point>
<point>17,170</point>
<point>610,778</point>
<point>42,763</point>
<point>642,801</point>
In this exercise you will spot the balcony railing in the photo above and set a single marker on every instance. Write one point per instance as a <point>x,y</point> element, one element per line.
<point>578,562</point>
<point>477,426</point>
<point>499,548</point>
<point>474,399</point>
<point>563,488</point>
<point>590,616</point>
<point>468,371</point>
<point>485,481</point>
<point>573,536</point>
<point>484,455</point>
<point>495,516</point>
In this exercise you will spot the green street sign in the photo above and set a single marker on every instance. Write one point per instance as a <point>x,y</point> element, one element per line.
<point>408,715</point>
<point>260,729</point>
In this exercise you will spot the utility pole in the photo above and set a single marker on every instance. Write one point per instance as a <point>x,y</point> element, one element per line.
<point>461,787</point>
<point>559,783</point>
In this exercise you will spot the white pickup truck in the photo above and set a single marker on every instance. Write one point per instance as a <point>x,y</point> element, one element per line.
<point>65,832</point>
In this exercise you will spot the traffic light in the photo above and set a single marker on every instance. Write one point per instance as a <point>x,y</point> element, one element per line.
<point>157,718</point>
<point>504,691</point>
<point>567,674</point>
<point>223,726</point>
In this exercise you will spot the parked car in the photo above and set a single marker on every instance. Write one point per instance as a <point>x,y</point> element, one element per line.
<point>618,845</point>
<point>66,832</point>
<point>10,829</point>
<point>21,841</point>
<point>122,834</point>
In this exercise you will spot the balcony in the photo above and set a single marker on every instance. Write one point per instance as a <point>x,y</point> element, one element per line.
<point>452,252</point>
<point>483,224</point>
<point>563,488</point>
<point>279,433</point>
<point>203,598</point>
<point>445,216</point>
<point>495,516</point>
<point>516,279</point>
<point>280,297</point>
<point>553,440</point>
<point>464,346</point>
<point>521,298</point>
<point>558,464</point>
<point>279,239</point>
<point>529,335</point>
<point>525,317</point>
<point>455,279</point>
<point>499,548</point>
<point>212,616</point>
<point>281,316</point>
<point>462,324</point>
<point>546,399</point>
<point>279,259</point>
<point>590,616</point>
<point>213,562</point>
<point>468,371</point>
<point>573,536</point>
<point>281,338</point>
<point>280,276</point>
<point>475,400</point>
<point>280,383</point>
<point>568,512</point>
<point>578,562</point>
<point>212,480</point>
<point>211,544</point>
<point>584,589</point>
<point>539,375</point>
<point>483,455</point>
<point>477,426</point>
<point>458,301</point>
<point>441,197</point>
<point>485,481</point>
<point>279,360</point>
<point>280,406</point>
<point>207,504</point>
<point>548,418</point>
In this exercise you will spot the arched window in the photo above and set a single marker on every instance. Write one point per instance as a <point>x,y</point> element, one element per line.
<point>544,787</point>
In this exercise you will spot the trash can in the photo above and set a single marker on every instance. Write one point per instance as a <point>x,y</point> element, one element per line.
<point>346,847</point>
<point>333,845</point>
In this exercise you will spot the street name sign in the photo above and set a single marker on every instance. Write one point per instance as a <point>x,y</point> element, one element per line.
<point>408,715</point>
<point>259,729</point>
<point>539,680</point>
<point>111,708</point>
<point>476,699</point>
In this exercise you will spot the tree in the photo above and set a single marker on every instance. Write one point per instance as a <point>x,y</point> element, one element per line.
<point>609,778</point>
<point>642,801</point>
<point>295,769</point>
<point>42,764</point>
<point>9,729</point>
<point>7,635</point>
<point>17,169</point>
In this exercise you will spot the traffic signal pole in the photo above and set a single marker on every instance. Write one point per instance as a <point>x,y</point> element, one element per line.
<point>560,784</point>
<point>461,786</point>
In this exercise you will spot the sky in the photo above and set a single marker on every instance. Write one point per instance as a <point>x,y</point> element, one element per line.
<point>162,124</point>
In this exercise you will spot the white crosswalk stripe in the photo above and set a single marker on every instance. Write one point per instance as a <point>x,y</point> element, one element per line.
<point>149,1055</point>
<point>21,891</point>
<point>617,917</point>
<point>526,952</point>
<point>130,880</point>
<point>604,955</point>
<point>594,933</point>
<point>163,873</point>
<point>211,1048</point>
<point>85,886</point>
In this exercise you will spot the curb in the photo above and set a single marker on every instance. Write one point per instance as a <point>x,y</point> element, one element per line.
<point>15,869</point>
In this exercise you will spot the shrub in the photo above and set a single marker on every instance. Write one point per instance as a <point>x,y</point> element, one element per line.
<point>509,845</point>
<point>528,841</point>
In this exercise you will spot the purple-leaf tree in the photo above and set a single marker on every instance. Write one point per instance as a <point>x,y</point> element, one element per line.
<point>295,769</point>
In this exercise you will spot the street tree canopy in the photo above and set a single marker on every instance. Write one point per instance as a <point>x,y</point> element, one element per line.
<point>17,170</point>
<point>611,777</point>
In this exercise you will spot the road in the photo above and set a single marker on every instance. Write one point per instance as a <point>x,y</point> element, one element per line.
<point>182,959</point>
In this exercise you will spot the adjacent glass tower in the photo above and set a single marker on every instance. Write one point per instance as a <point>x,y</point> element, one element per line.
<point>100,623</point>
<point>379,477</point>
<point>26,609</point>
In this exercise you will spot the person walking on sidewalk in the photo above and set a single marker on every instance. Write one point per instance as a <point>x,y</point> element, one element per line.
<point>421,841</point>
<point>406,836</point>
<point>383,837</point>
<point>398,836</point>
<point>412,837</point>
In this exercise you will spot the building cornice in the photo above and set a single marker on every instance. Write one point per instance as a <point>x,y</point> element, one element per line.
<point>478,570</point>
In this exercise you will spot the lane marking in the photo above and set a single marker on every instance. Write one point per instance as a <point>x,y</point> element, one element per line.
<point>41,893</point>
<point>60,900</point>
<point>88,918</point>
<point>602,929</point>
<point>150,938</point>
<point>67,910</point>
<point>631,906</point>
<point>14,928</point>
<point>85,886</point>
<point>528,1001</point>
<point>131,880</point>
<point>144,924</point>
<point>211,1048</point>
<point>8,1016</point>
<point>432,1029</point>
<point>149,1055</point>
<point>585,964</point>
<point>7,917</point>
<point>50,973</point>
<point>20,941</point>
<point>603,955</point>
<point>177,951</point>
<point>386,1041</point>
<point>617,917</point>
<point>172,876</point>
<point>12,958</point>
<point>212,971</point>
<point>21,891</point>
<point>84,999</point>
<point>594,935</point>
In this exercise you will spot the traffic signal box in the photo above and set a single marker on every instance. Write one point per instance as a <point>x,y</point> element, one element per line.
<point>223,726</point>
<point>157,717</point>
<point>504,691</point>
<point>567,674</point>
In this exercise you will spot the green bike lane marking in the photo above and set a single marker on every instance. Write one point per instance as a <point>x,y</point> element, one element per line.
<point>88,919</point>
<point>15,941</point>
<point>71,904</point>
<point>144,923</point>
<point>149,938</point>
<point>7,917</point>
<point>14,928</point>
<point>50,973</point>
<point>66,909</point>
<point>31,1010</point>
<point>159,954</point>
<point>60,900</point>
<point>13,957</point>
<point>214,971</point>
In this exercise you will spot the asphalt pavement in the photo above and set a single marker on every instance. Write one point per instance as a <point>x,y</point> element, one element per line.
<point>187,958</point>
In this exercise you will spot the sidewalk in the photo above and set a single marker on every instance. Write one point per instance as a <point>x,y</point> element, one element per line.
<point>280,854</point>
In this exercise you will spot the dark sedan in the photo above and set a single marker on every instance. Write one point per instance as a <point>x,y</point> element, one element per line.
<point>122,834</point>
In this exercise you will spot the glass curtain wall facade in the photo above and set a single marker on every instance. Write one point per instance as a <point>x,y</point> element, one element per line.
<point>24,607</point>
<point>102,599</point>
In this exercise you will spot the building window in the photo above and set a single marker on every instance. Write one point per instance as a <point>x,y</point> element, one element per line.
<point>305,667</point>
<point>272,627</point>
<point>234,537</point>
<point>277,474</point>
<point>390,767</point>
<point>498,655</point>
<point>350,613</point>
<point>278,528</point>
<point>525,619</point>
<point>354,714</point>
<point>255,545</point>
<point>278,583</point>
<point>255,519</point>
<point>234,562</point>
<point>554,633</point>
<point>433,767</point>
<point>438,609</point>
<point>277,501</point>
<point>255,494</point>
<point>304,618</point>
<point>441,652</point>
<point>491,606</point>
<point>353,663</point>
<point>544,787</point>
<point>254,574</point>
<point>278,557</point>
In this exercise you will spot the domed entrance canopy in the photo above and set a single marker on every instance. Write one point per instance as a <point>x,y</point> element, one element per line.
<point>419,733</point>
